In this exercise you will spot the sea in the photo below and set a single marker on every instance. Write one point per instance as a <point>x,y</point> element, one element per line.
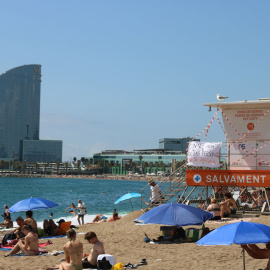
<point>99,196</point>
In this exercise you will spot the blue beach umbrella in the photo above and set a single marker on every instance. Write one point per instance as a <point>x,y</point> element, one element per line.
<point>128,196</point>
<point>175,214</point>
<point>240,233</point>
<point>31,204</point>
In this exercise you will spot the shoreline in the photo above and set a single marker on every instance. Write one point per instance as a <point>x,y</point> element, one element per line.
<point>81,176</point>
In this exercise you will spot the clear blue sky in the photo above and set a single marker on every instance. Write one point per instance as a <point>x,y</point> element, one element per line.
<point>123,74</point>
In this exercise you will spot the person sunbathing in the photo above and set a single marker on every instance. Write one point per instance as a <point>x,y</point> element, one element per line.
<point>100,218</point>
<point>74,253</point>
<point>29,245</point>
<point>8,223</point>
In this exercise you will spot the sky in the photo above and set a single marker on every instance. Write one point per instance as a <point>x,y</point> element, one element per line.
<point>124,74</point>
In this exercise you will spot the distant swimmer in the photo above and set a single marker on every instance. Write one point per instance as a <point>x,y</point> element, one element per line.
<point>103,193</point>
<point>221,98</point>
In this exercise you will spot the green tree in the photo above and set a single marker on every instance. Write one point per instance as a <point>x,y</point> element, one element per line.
<point>36,166</point>
<point>156,165</point>
<point>2,164</point>
<point>66,166</point>
<point>100,164</point>
<point>10,163</point>
<point>150,166</point>
<point>57,164</point>
<point>144,165</point>
<point>24,166</point>
<point>16,165</point>
<point>78,165</point>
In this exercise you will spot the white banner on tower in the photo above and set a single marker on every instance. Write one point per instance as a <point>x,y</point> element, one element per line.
<point>203,154</point>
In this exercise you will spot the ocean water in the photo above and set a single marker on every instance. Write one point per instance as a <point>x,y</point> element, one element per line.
<point>97,194</point>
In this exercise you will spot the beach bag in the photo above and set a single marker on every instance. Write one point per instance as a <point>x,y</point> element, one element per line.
<point>8,236</point>
<point>193,234</point>
<point>105,261</point>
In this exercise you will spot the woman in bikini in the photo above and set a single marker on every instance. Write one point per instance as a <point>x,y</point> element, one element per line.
<point>215,209</point>
<point>29,245</point>
<point>74,253</point>
<point>73,209</point>
<point>228,206</point>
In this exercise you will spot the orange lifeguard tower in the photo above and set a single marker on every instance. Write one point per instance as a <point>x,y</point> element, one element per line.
<point>247,131</point>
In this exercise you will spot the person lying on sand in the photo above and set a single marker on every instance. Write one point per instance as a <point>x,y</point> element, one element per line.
<point>101,218</point>
<point>29,245</point>
<point>74,253</point>
<point>90,259</point>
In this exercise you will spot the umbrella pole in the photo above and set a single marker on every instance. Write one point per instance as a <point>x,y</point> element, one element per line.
<point>244,259</point>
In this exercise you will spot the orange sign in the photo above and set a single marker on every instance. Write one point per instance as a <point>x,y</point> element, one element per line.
<point>246,178</point>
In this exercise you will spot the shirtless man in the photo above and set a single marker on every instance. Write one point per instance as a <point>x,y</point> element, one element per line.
<point>90,259</point>
<point>82,211</point>
<point>258,253</point>
<point>30,221</point>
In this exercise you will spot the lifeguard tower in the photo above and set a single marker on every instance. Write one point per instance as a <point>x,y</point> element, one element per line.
<point>245,170</point>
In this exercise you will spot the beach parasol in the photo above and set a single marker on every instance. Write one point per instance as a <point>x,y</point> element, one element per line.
<point>31,204</point>
<point>128,196</point>
<point>175,214</point>
<point>240,233</point>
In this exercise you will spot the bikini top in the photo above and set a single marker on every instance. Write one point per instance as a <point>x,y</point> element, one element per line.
<point>76,252</point>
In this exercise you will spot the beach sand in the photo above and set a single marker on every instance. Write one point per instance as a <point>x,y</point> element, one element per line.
<point>125,241</point>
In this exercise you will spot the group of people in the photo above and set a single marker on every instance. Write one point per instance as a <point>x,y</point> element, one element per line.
<point>224,208</point>
<point>8,223</point>
<point>75,257</point>
<point>82,211</point>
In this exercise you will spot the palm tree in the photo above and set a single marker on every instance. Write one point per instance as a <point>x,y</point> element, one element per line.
<point>156,165</point>
<point>66,166</point>
<point>101,163</point>
<point>78,165</point>
<point>36,166</point>
<point>16,165</point>
<point>57,164</point>
<point>24,166</point>
<point>2,164</point>
<point>117,165</point>
<point>150,166</point>
<point>125,168</point>
<point>144,165</point>
<point>10,163</point>
<point>162,164</point>
<point>83,160</point>
<point>45,165</point>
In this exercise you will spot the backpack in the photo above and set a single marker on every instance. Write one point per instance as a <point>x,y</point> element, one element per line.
<point>8,236</point>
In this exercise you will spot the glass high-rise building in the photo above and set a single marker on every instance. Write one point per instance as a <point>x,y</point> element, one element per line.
<point>20,112</point>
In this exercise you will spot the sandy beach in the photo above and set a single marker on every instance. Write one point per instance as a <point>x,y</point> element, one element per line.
<point>125,241</point>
